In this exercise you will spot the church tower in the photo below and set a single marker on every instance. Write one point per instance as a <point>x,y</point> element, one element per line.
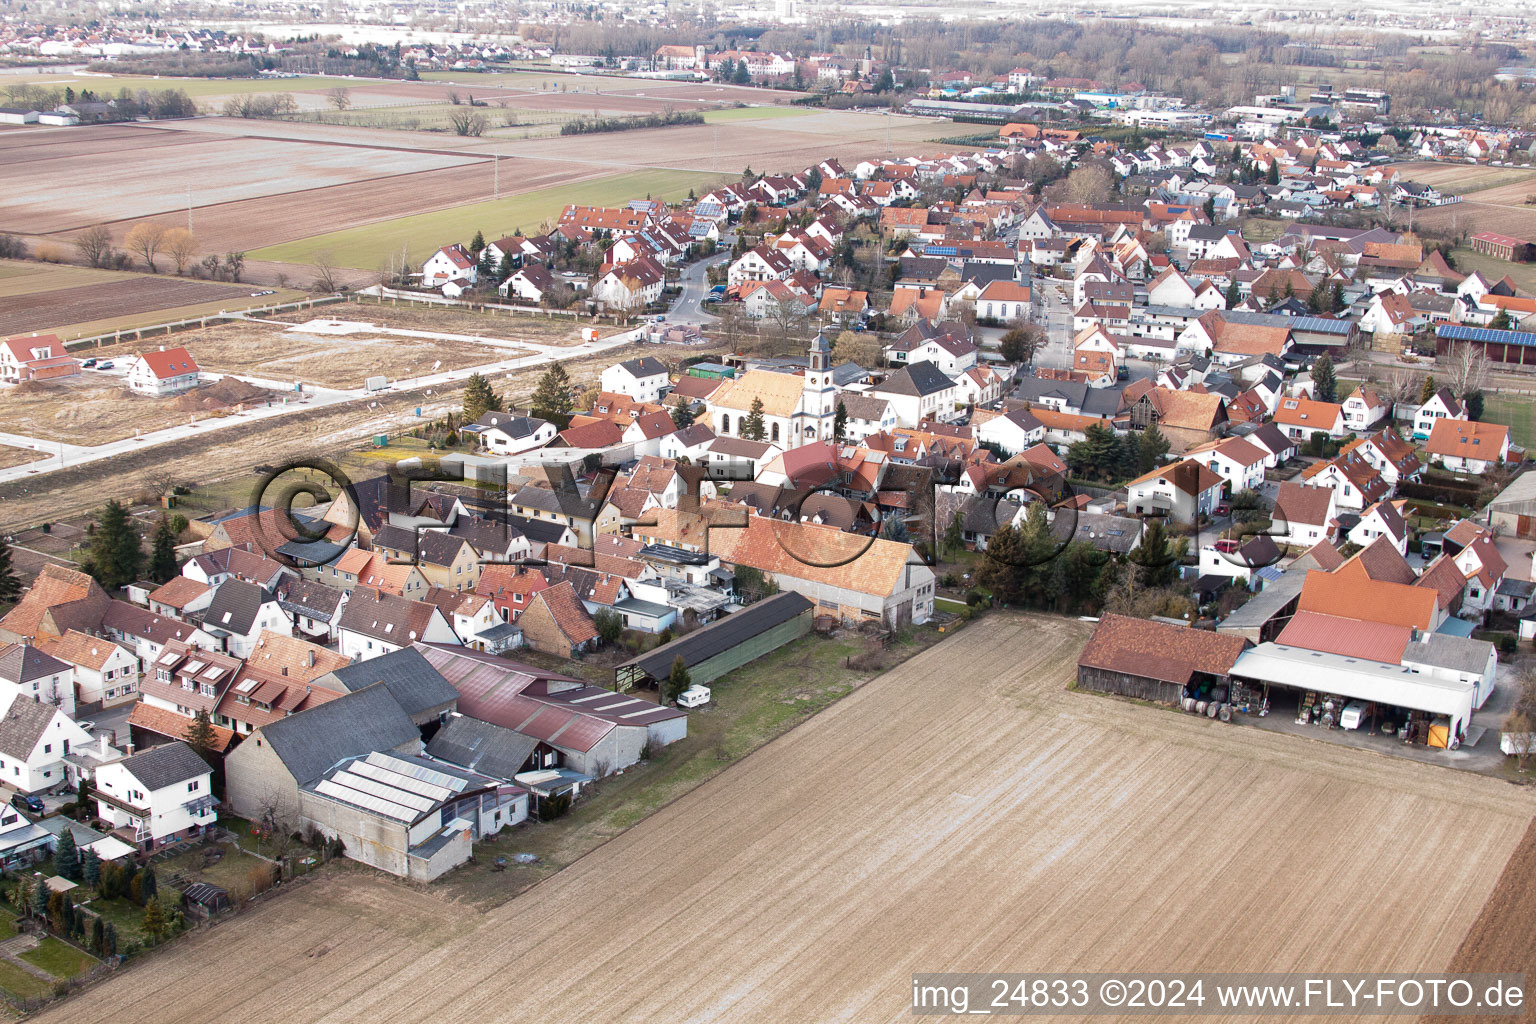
<point>818,399</point>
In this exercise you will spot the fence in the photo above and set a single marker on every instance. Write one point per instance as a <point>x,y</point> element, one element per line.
<point>136,333</point>
<point>432,299</point>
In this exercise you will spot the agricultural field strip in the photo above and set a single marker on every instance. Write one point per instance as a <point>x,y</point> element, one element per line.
<point>927,822</point>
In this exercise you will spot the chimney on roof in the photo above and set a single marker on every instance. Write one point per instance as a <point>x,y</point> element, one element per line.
<point>105,745</point>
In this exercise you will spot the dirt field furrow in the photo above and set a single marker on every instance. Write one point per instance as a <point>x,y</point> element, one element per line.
<point>961,812</point>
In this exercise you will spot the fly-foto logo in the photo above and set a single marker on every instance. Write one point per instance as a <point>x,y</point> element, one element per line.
<point>309,512</point>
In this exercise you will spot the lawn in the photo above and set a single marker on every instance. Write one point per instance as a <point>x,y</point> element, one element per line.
<point>21,984</point>
<point>492,79</point>
<point>363,247</point>
<point>1517,412</point>
<point>59,958</point>
<point>1523,274</point>
<point>7,924</point>
<point>125,915</point>
<point>754,113</point>
<point>232,872</point>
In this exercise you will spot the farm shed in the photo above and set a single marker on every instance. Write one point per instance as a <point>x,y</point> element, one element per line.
<point>725,644</point>
<point>1518,347</point>
<point>1154,660</point>
<point>1513,511</point>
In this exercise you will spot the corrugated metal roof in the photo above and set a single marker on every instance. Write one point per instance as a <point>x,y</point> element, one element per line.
<point>1377,641</point>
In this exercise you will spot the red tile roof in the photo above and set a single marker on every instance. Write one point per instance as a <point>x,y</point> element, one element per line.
<point>1156,650</point>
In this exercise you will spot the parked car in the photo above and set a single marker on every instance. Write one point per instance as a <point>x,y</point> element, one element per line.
<point>28,802</point>
<point>105,364</point>
<point>1224,509</point>
<point>88,363</point>
<point>87,726</point>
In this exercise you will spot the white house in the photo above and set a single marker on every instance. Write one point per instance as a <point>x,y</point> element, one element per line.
<point>1364,408</point>
<point>165,372</point>
<point>760,264</point>
<point>35,674</point>
<point>33,741</point>
<point>1238,462</point>
<point>1442,405</point>
<point>1381,520</point>
<point>376,623</point>
<point>1466,446</point>
<point>1183,492</point>
<point>105,673</point>
<point>505,433</point>
<point>1012,431</point>
<point>1096,354</point>
<point>630,286</point>
<point>1004,301</point>
<point>452,264</point>
<point>643,379</point>
<point>1303,515</point>
<point>920,391</point>
<point>160,796</point>
<point>240,611</point>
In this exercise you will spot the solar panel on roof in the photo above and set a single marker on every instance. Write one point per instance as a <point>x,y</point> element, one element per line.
<point>417,770</point>
<point>400,781</point>
<point>366,801</point>
<point>1458,332</point>
<point>384,791</point>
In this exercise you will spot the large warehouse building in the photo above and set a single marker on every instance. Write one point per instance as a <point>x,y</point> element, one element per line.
<point>724,644</point>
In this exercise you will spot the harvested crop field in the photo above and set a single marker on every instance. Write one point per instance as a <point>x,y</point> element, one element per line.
<point>1500,940</point>
<point>63,192</point>
<point>931,821</point>
<point>366,247</point>
<point>1464,179</point>
<point>269,220</point>
<point>282,355</point>
<point>48,310</point>
<point>77,301</point>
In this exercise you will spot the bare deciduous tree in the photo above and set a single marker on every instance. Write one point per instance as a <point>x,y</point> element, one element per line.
<point>179,244</point>
<point>95,245</point>
<point>467,122</point>
<point>339,97</point>
<point>144,240</point>
<point>1467,369</point>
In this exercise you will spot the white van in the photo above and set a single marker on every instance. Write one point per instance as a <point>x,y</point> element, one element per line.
<point>1353,715</point>
<point>694,696</point>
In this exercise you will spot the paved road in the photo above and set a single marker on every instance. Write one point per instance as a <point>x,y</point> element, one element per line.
<point>688,308</point>
<point>73,455</point>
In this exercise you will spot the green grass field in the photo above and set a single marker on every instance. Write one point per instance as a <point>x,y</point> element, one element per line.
<point>1523,274</point>
<point>364,248</point>
<point>20,983</point>
<point>1517,412</point>
<point>753,114</point>
<point>59,959</point>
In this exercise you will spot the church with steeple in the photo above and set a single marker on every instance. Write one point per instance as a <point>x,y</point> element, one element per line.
<point>795,410</point>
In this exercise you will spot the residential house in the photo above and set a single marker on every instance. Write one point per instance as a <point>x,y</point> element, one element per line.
<point>1301,417</point>
<point>503,433</point>
<point>644,379</point>
<point>1364,408</point>
<point>1467,446</point>
<point>1304,516</point>
<point>105,673</point>
<point>161,796</point>
<point>1441,405</point>
<point>1184,492</point>
<point>555,621</point>
<point>40,357</point>
<point>32,673</point>
<point>166,372</point>
<point>239,612</point>
<point>375,623</point>
<point>35,737</point>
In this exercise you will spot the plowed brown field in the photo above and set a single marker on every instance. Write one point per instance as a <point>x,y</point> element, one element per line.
<point>961,812</point>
